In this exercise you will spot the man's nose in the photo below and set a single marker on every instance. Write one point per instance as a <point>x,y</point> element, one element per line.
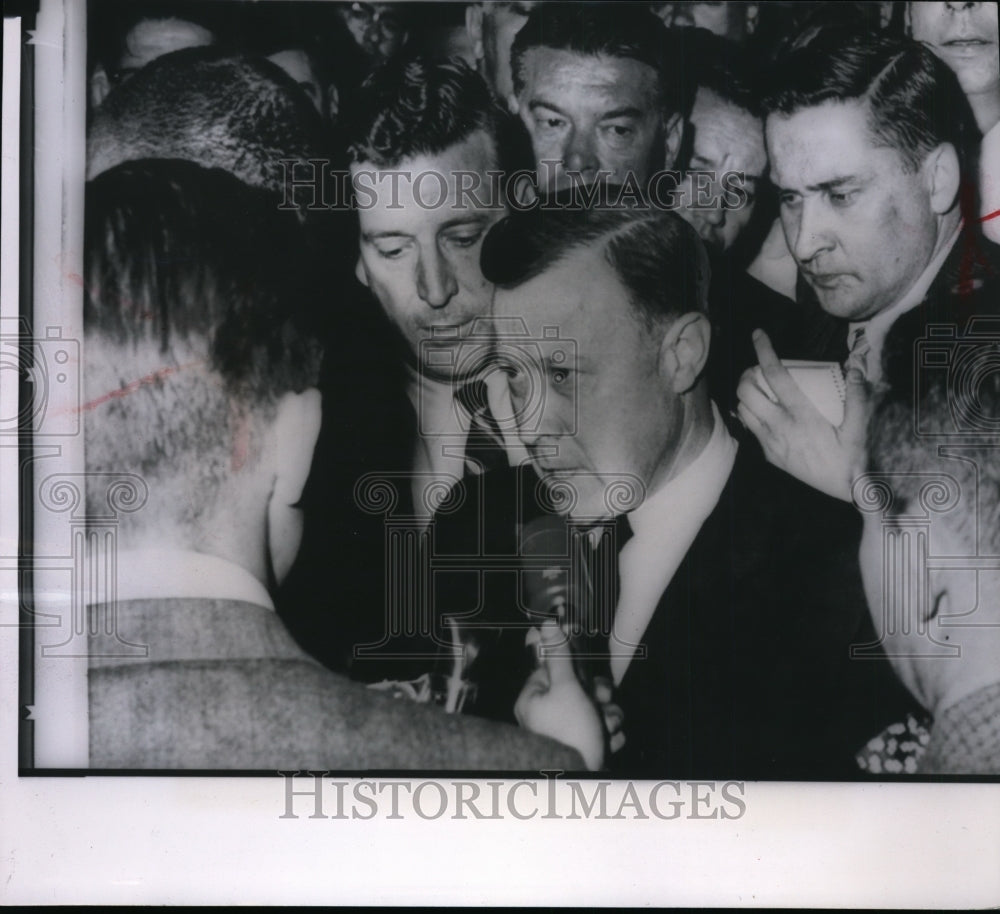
<point>715,215</point>
<point>436,283</point>
<point>810,236</point>
<point>580,154</point>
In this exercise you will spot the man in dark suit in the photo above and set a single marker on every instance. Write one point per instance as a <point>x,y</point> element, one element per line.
<point>730,640</point>
<point>200,400</point>
<point>410,410</point>
<point>873,149</point>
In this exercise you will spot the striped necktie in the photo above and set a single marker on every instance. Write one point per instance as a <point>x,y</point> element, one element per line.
<point>858,347</point>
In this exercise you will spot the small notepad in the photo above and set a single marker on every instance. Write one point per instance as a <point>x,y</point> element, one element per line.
<point>822,382</point>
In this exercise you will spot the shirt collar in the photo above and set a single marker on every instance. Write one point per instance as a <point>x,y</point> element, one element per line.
<point>702,480</point>
<point>152,574</point>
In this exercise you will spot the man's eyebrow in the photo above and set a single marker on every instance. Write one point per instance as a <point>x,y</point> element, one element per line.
<point>474,218</point>
<point>832,184</point>
<point>536,103</point>
<point>626,111</point>
<point>377,236</point>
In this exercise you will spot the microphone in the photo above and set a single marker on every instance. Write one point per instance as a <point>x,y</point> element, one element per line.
<point>550,591</point>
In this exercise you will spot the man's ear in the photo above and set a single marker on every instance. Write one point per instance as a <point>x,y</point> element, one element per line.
<point>753,12</point>
<point>684,351</point>
<point>673,136</point>
<point>296,430</point>
<point>359,271</point>
<point>943,175</point>
<point>100,86</point>
<point>474,27</point>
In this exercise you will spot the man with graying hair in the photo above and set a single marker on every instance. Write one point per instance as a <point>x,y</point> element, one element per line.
<point>199,379</point>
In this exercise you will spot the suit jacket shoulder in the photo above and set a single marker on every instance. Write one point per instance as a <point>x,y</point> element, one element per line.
<point>255,701</point>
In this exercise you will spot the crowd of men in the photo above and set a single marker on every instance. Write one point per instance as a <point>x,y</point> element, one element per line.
<point>634,409</point>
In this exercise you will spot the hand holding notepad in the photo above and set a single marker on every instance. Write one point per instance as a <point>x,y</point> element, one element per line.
<point>809,419</point>
<point>822,382</point>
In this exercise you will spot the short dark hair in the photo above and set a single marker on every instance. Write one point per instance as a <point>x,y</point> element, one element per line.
<point>655,254</point>
<point>906,454</point>
<point>179,258</point>
<point>625,30</point>
<point>721,66</point>
<point>418,106</point>
<point>206,105</point>
<point>915,102</point>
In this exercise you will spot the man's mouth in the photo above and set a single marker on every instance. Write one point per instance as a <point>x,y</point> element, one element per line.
<point>826,280</point>
<point>445,334</point>
<point>966,45</point>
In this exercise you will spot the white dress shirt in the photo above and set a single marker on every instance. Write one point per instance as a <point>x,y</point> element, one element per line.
<point>877,328</point>
<point>663,528</point>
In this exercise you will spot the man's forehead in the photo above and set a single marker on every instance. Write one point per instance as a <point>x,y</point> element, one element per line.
<point>476,153</point>
<point>431,188</point>
<point>603,76</point>
<point>815,144</point>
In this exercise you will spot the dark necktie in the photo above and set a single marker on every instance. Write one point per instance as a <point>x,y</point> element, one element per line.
<point>484,448</point>
<point>595,596</point>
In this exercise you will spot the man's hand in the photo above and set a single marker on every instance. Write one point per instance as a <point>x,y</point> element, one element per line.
<point>553,703</point>
<point>794,434</point>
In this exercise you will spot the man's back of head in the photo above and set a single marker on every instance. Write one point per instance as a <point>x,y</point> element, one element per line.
<point>196,347</point>
<point>934,491</point>
<point>210,106</point>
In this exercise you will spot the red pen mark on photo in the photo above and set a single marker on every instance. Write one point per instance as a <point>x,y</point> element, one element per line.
<point>133,386</point>
<point>989,216</point>
<point>974,260</point>
<point>241,437</point>
<point>125,304</point>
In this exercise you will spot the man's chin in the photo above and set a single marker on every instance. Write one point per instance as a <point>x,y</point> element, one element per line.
<point>840,303</point>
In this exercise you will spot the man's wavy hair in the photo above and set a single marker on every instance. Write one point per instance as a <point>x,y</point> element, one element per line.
<point>915,102</point>
<point>417,106</point>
